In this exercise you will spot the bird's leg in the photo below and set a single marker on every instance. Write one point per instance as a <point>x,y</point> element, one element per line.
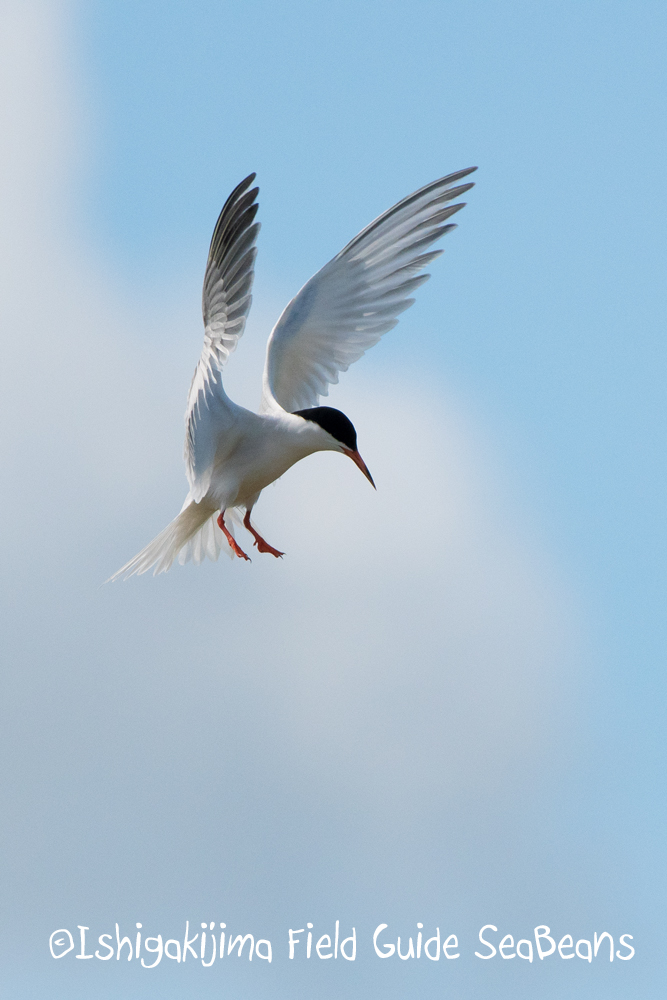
<point>262,546</point>
<point>236,549</point>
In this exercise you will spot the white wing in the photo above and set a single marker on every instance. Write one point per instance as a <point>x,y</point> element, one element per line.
<point>346,307</point>
<point>226,302</point>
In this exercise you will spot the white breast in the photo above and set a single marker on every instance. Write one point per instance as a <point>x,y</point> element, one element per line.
<point>256,451</point>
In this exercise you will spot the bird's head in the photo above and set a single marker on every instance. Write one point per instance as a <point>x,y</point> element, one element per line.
<point>340,432</point>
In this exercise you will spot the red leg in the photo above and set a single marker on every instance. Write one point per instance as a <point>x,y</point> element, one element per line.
<point>232,542</point>
<point>262,546</point>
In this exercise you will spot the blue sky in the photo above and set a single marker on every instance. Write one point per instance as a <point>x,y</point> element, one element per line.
<point>446,704</point>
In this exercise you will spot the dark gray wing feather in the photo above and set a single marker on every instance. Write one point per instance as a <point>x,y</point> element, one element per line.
<point>226,301</point>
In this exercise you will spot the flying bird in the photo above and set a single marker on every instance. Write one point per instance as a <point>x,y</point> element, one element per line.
<point>232,454</point>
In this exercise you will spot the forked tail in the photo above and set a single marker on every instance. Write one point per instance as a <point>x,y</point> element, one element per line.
<point>194,534</point>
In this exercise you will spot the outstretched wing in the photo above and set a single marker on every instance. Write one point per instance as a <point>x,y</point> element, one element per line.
<point>226,302</point>
<point>346,307</point>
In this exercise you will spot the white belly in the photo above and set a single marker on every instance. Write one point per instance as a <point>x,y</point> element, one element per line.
<point>255,456</point>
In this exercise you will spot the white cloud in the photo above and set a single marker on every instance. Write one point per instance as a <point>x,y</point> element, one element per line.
<point>416,622</point>
<point>410,649</point>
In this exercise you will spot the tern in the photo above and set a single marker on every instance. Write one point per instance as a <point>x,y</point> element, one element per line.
<point>232,454</point>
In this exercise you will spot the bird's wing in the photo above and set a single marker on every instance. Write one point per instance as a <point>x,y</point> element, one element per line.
<point>346,307</point>
<point>226,302</point>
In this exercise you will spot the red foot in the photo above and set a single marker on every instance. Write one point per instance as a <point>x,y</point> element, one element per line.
<point>236,549</point>
<point>262,546</point>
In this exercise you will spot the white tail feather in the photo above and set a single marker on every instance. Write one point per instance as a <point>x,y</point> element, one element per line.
<point>194,534</point>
